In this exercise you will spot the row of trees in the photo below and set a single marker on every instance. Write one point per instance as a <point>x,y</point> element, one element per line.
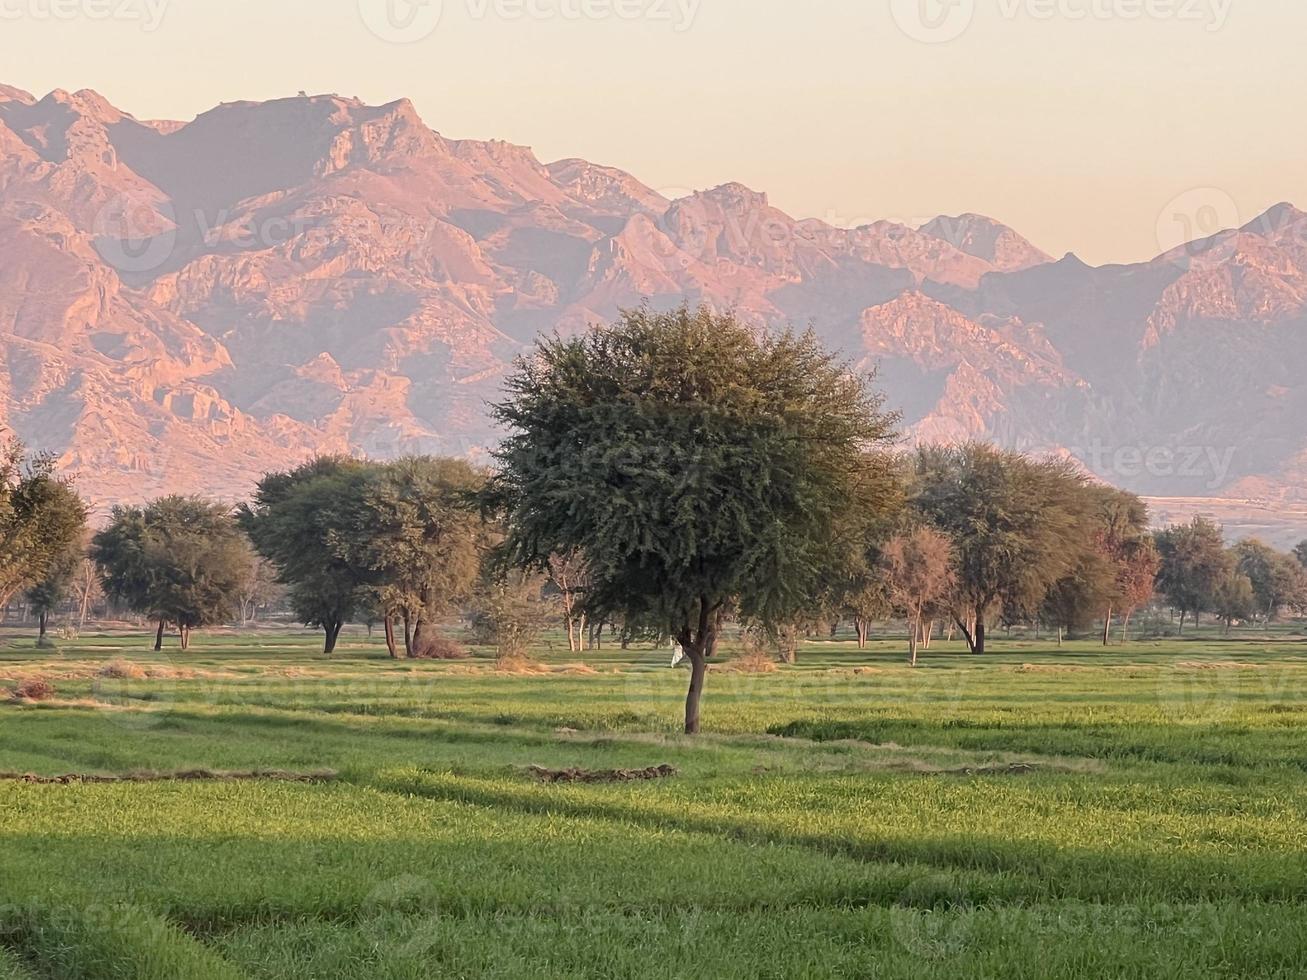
<point>1250,581</point>
<point>704,469</point>
<point>665,475</point>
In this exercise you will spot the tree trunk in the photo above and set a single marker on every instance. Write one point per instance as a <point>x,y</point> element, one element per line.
<point>44,621</point>
<point>580,633</point>
<point>860,627</point>
<point>1183,614</point>
<point>1107,627</point>
<point>928,634</point>
<point>914,636</point>
<point>391,646</point>
<point>1125,628</point>
<point>332,630</point>
<point>1059,636</point>
<point>980,632</point>
<point>408,635</point>
<point>697,644</point>
<point>698,669</point>
<point>184,634</point>
<point>158,636</point>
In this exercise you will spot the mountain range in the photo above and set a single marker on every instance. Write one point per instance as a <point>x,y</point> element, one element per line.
<point>184,306</point>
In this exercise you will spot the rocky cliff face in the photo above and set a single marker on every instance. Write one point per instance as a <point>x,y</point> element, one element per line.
<point>185,306</point>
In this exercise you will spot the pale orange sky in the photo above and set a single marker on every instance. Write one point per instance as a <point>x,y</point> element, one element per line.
<point>1104,127</point>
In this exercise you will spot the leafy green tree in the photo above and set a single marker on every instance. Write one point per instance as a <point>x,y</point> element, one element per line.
<point>1233,598</point>
<point>40,515</point>
<point>305,522</point>
<point>694,461</point>
<point>1193,562</point>
<point>54,586</point>
<point>1075,601</point>
<point>179,560</point>
<point>1018,526</point>
<point>1278,580</point>
<point>418,537</point>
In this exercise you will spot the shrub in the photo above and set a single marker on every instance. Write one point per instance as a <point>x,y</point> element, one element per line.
<point>436,646</point>
<point>123,670</point>
<point>34,689</point>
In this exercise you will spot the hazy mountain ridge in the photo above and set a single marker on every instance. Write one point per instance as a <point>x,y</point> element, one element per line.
<point>184,306</point>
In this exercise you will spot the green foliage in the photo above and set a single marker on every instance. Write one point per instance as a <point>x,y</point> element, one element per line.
<point>418,534</point>
<point>305,522</point>
<point>1278,580</point>
<point>693,461</point>
<point>1233,598</point>
<point>41,516</point>
<point>179,559</point>
<point>1194,562</point>
<point>1018,525</point>
<point>348,535</point>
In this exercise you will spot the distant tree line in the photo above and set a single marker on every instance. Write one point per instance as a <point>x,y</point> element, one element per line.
<point>659,479</point>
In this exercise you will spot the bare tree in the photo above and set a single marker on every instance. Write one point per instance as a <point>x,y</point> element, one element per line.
<point>570,577</point>
<point>919,577</point>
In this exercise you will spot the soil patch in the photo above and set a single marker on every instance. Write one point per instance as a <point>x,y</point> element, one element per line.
<point>193,775</point>
<point>600,775</point>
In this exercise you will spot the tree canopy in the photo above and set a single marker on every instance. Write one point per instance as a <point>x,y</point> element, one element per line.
<point>1194,562</point>
<point>1018,526</point>
<point>41,517</point>
<point>179,560</point>
<point>693,461</point>
<point>300,520</point>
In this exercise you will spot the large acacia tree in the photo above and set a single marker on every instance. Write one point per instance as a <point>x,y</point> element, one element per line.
<point>419,538</point>
<point>41,518</point>
<point>1193,564</point>
<point>694,462</point>
<point>178,560</point>
<point>1018,526</point>
<point>305,522</point>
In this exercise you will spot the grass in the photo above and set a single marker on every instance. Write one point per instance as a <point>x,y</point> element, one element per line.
<point>1135,811</point>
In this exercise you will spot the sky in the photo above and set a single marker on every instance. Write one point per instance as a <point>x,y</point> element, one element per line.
<point>1111,128</point>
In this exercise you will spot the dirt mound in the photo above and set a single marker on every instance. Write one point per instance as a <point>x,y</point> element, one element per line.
<point>601,775</point>
<point>123,670</point>
<point>1014,769</point>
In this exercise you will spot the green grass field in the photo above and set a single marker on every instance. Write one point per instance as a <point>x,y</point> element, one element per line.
<point>1138,811</point>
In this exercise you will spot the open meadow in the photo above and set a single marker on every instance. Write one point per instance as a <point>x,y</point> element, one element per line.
<point>1136,811</point>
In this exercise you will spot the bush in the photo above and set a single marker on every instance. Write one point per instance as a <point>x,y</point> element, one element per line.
<point>34,689</point>
<point>435,646</point>
<point>123,670</point>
